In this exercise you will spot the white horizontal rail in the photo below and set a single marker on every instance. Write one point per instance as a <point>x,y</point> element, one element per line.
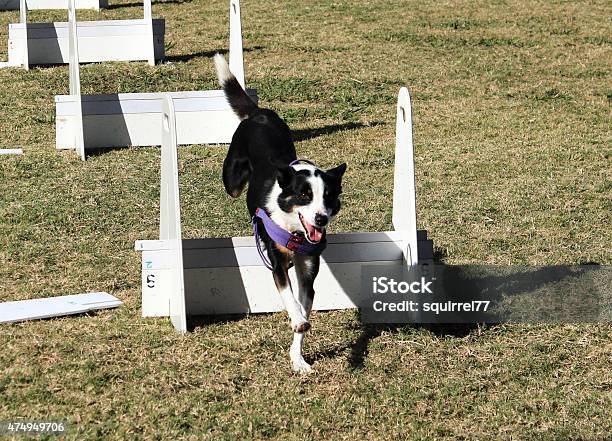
<point>197,253</point>
<point>248,241</point>
<point>141,103</point>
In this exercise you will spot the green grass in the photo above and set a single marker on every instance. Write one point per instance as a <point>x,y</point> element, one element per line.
<point>511,104</point>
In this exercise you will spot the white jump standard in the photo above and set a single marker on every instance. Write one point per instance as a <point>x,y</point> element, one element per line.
<point>108,40</point>
<point>133,119</point>
<point>227,276</point>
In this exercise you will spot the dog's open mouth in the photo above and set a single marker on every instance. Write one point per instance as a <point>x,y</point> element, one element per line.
<point>313,234</point>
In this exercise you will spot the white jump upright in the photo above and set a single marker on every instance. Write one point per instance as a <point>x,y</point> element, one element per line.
<point>404,185</point>
<point>236,59</point>
<point>19,53</point>
<point>74,70</point>
<point>107,40</point>
<point>133,119</point>
<point>7,5</point>
<point>182,277</point>
<point>170,211</point>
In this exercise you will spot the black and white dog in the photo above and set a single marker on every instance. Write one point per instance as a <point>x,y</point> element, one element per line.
<point>284,197</point>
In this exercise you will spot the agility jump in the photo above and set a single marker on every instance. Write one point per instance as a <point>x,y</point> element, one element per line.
<point>209,276</point>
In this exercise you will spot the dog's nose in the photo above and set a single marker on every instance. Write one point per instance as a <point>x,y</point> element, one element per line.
<point>321,220</point>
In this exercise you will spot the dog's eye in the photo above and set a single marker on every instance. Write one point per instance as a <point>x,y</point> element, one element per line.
<point>305,194</point>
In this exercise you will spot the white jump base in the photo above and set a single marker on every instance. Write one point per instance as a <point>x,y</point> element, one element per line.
<point>98,41</point>
<point>6,5</point>
<point>133,119</point>
<point>226,275</point>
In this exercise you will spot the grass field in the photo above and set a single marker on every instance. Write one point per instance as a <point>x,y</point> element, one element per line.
<point>512,117</point>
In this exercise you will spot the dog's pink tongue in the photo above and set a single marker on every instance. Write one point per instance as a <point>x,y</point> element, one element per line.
<point>314,234</point>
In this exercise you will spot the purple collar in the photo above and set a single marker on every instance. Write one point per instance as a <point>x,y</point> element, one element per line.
<point>284,238</point>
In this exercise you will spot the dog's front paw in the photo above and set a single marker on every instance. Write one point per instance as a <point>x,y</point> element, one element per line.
<point>300,327</point>
<point>300,366</point>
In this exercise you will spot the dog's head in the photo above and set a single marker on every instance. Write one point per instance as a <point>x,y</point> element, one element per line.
<point>309,198</point>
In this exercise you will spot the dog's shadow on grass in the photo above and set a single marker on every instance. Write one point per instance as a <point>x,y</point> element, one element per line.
<point>359,348</point>
<point>206,54</point>
<point>306,134</point>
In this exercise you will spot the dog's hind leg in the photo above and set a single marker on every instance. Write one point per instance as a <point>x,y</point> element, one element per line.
<point>307,268</point>
<point>236,174</point>
<point>236,166</point>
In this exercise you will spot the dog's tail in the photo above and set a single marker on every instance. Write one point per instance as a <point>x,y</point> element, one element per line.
<point>238,99</point>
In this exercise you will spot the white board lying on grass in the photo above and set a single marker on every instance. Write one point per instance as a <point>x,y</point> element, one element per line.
<point>133,119</point>
<point>109,40</point>
<point>33,309</point>
<point>226,275</point>
<point>11,152</point>
<point>7,5</point>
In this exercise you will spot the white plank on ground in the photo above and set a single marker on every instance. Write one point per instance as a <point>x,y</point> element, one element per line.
<point>11,152</point>
<point>34,309</point>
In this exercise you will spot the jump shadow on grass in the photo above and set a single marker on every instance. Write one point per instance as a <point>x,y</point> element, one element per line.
<point>199,321</point>
<point>99,151</point>
<point>206,54</point>
<point>306,134</point>
<point>513,285</point>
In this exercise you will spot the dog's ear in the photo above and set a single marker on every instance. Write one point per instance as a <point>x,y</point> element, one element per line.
<point>337,172</point>
<point>285,175</point>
